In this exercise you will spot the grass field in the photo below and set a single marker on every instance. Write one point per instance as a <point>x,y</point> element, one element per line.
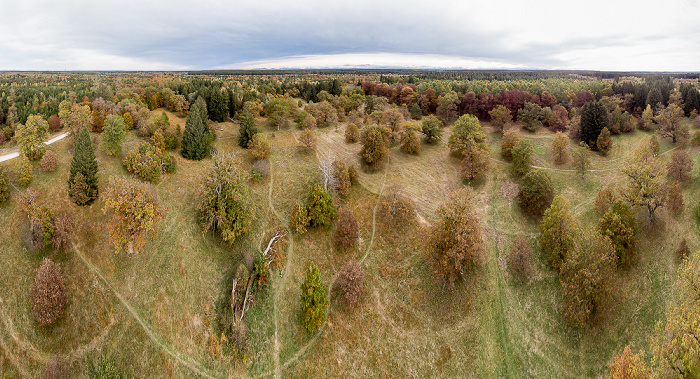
<point>155,313</point>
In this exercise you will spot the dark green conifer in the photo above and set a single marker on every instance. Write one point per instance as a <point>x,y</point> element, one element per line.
<point>84,162</point>
<point>195,139</point>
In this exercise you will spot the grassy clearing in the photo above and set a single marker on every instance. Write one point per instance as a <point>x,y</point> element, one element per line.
<point>405,324</point>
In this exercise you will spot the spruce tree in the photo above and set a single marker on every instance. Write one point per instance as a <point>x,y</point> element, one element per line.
<point>692,100</point>
<point>84,162</point>
<point>248,129</point>
<point>218,105</point>
<point>594,117</point>
<point>195,139</point>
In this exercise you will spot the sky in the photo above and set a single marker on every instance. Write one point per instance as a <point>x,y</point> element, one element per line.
<point>155,35</point>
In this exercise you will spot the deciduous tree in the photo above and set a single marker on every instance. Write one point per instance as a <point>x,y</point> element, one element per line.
<point>352,133</point>
<point>680,166</point>
<point>455,240</point>
<point>320,206</point>
<point>559,230</point>
<point>259,148</point>
<point>346,231</point>
<point>519,259</point>
<point>620,225</point>
<point>645,186</point>
<point>500,117</point>
<point>581,159</point>
<point>374,151</point>
<point>670,125</point>
<point>49,161</point>
<point>536,192</point>
<point>134,211</point>
<point>226,203</point>
<point>308,139</point>
<point>30,137</point>
<point>48,293</point>
<point>510,139</point>
<point>350,282</point>
<point>604,142</point>
<point>466,127</point>
<point>559,148</point>
<point>113,134</point>
<point>522,158</point>
<point>431,129</point>
<point>626,365</point>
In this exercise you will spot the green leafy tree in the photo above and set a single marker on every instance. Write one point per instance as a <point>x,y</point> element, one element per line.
<point>581,159</point>
<point>30,137</point>
<point>510,139</point>
<point>85,163</point>
<point>586,278</point>
<point>25,171</point>
<point>475,163</point>
<point>259,148</point>
<point>320,206</point>
<point>134,211</point>
<point>247,125</point>
<point>559,230</point>
<point>531,115</point>
<point>455,241</point>
<point>670,125</point>
<point>314,300</point>
<point>113,134</point>
<point>500,117</point>
<point>620,225</point>
<point>277,110</point>
<point>226,203</point>
<point>536,192</point>
<point>374,151</point>
<point>594,117</point>
<point>647,120</point>
<point>447,107</point>
<point>195,139</point>
<point>466,127</point>
<point>431,129</point>
<point>559,148</point>
<point>522,158</point>
<point>645,186</point>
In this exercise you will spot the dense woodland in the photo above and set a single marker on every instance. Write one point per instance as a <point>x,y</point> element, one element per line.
<point>350,222</point>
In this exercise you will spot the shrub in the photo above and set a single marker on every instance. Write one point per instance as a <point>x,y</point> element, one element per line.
<point>170,141</point>
<point>342,177</point>
<point>261,168</point>
<point>146,163</point>
<point>314,299</point>
<point>24,171</point>
<point>54,370</point>
<point>536,192</point>
<point>353,175</point>
<point>510,139</point>
<point>320,206</point>
<point>258,147</point>
<point>629,366</point>
<point>308,138</point>
<point>396,209</point>
<point>49,161</point>
<point>352,133</point>
<point>48,294</point>
<point>104,368</point>
<point>519,263</point>
<point>300,218</point>
<point>346,231</point>
<point>350,282</point>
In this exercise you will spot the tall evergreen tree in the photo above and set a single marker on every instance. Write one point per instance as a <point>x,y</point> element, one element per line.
<point>594,117</point>
<point>218,105</point>
<point>195,139</point>
<point>691,100</point>
<point>314,299</point>
<point>247,129</point>
<point>654,98</point>
<point>85,164</point>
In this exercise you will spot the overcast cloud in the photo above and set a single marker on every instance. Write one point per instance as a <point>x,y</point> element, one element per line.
<point>207,34</point>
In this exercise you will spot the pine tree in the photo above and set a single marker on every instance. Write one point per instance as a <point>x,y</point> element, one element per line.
<point>84,162</point>
<point>195,139</point>
<point>218,105</point>
<point>247,129</point>
<point>314,299</point>
<point>594,117</point>
<point>654,98</point>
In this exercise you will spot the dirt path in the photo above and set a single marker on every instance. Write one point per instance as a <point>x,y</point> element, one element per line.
<point>7,157</point>
<point>177,356</point>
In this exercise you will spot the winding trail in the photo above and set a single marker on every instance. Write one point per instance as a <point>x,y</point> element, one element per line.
<point>151,334</point>
<point>303,350</point>
<point>7,157</point>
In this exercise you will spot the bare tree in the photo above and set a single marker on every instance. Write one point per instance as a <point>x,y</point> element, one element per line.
<point>325,165</point>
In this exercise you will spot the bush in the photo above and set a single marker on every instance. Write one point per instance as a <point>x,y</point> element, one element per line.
<point>352,133</point>
<point>396,209</point>
<point>49,161</point>
<point>259,148</point>
<point>145,163</point>
<point>261,168</point>
<point>518,261</point>
<point>536,193</point>
<point>24,171</point>
<point>349,283</point>
<point>48,294</point>
<point>320,206</point>
<point>54,370</point>
<point>314,299</point>
<point>300,218</point>
<point>342,178</point>
<point>63,231</point>
<point>346,231</point>
<point>104,368</point>
<point>353,175</point>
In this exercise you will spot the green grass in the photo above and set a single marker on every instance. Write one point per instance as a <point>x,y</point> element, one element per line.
<point>405,324</point>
